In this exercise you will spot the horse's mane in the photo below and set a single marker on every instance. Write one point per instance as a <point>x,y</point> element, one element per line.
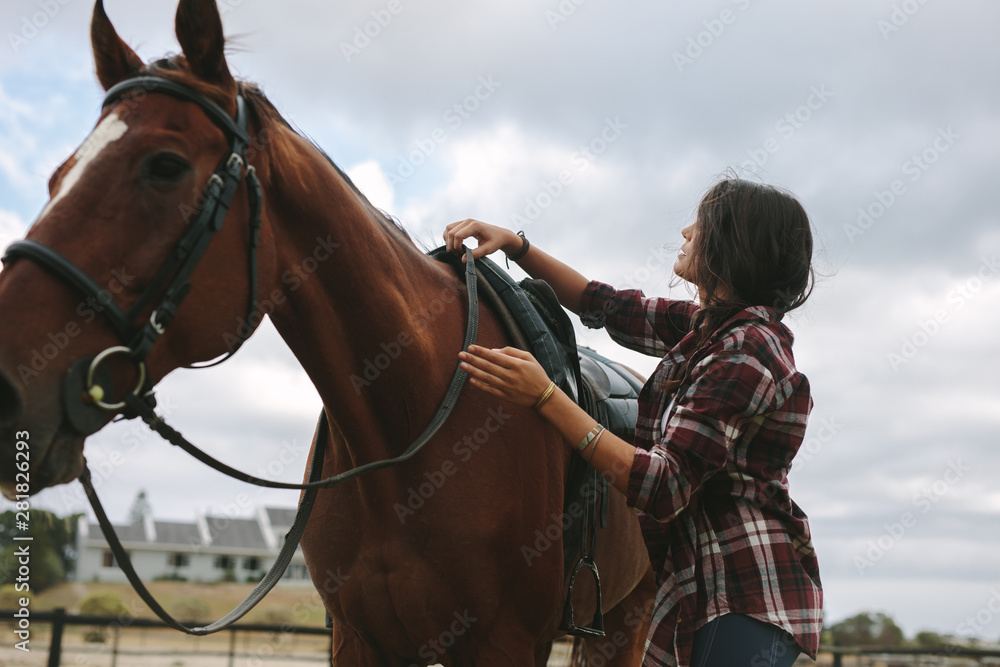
<point>266,116</point>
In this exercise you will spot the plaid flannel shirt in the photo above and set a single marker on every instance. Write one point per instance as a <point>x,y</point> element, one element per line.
<point>710,485</point>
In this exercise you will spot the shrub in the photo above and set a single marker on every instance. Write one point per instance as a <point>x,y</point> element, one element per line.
<point>10,598</point>
<point>103,604</point>
<point>190,609</point>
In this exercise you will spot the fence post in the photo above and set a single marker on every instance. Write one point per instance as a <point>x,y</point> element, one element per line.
<point>55,644</point>
<point>838,659</point>
<point>114,647</point>
<point>232,647</point>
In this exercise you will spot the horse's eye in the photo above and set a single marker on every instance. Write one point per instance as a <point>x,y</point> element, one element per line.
<point>167,168</point>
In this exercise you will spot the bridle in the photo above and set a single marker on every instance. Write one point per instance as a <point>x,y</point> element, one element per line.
<point>88,381</point>
<point>171,283</point>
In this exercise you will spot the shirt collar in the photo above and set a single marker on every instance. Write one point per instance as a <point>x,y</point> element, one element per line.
<point>764,314</point>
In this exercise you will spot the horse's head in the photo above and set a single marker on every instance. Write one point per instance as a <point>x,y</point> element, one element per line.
<point>120,208</point>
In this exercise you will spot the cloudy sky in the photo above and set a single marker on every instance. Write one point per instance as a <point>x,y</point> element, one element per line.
<point>882,115</point>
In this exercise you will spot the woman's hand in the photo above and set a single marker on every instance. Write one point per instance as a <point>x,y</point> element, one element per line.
<point>490,238</point>
<point>512,374</point>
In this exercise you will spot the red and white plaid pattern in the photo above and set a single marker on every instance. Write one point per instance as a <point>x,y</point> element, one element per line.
<point>710,485</point>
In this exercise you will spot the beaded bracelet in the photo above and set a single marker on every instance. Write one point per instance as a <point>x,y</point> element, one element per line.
<point>520,253</point>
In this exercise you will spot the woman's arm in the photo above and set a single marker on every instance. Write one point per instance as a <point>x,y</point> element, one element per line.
<point>567,283</point>
<point>514,375</point>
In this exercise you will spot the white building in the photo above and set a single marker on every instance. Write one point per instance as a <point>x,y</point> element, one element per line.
<point>210,549</point>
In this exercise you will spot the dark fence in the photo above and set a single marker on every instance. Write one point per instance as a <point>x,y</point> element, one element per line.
<point>59,619</point>
<point>842,656</point>
<point>912,656</point>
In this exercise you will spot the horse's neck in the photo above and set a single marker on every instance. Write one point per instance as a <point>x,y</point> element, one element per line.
<point>375,323</point>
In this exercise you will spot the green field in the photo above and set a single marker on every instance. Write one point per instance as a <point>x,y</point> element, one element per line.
<point>199,602</point>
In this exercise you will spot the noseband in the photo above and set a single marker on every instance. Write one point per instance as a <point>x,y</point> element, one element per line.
<point>88,382</point>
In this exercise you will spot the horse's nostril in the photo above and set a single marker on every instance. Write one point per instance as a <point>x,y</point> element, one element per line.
<point>10,403</point>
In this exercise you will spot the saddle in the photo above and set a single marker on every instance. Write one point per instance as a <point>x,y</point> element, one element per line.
<point>534,320</point>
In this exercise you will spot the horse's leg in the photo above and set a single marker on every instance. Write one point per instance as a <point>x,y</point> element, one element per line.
<point>542,653</point>
<point>350,651</point>
<point>625,628</point>
<point>505,644</point>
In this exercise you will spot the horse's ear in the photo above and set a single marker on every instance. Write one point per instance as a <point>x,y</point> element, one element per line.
<point>199,31</point>
<point>114,59</point>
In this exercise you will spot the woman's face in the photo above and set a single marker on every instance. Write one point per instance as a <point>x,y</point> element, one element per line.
<point>684,266</point>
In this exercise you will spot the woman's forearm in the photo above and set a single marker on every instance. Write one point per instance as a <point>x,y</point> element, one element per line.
<point>566,281</point>
<point>612,457</point>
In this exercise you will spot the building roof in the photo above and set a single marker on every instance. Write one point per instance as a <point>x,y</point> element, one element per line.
<point>135,532</point>
<point>236,533</point>
<point>215,532</point>
<point>171,532</point>
<point>280,517</point>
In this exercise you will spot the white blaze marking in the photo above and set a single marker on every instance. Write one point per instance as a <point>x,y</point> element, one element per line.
<point>111,129</point>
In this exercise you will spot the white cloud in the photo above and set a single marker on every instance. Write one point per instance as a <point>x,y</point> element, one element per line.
<point>372,182</point>
<point>11,228</point>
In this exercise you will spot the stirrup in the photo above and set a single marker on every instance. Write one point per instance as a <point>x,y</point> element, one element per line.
<point>567,625</point>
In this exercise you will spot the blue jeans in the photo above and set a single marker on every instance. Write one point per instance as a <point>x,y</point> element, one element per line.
<point>735,640</point>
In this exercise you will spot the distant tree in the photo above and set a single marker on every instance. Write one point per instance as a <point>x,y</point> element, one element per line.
<point>867,629</point>
<point>53,550</point>
<point>928,639</point>
<point>141,508</point>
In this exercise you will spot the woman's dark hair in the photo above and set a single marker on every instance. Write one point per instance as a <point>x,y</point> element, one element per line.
<point>753,247</point>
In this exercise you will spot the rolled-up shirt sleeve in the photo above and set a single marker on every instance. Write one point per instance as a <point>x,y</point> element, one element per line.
<point>727,391</point>
<point>647,325</point>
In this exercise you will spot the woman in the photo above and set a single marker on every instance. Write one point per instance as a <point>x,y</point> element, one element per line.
<point>720,420</point>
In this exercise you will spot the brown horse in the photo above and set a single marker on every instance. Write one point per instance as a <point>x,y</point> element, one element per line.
<point>440,559</point>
